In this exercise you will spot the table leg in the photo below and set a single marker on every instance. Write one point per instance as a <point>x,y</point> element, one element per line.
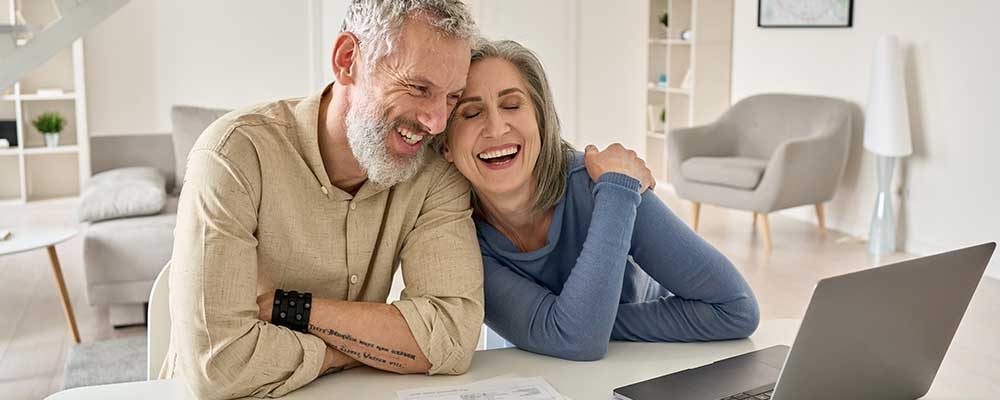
<point>67,307</point>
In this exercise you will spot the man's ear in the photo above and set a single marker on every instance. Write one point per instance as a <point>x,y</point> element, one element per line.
<point>346,58</point>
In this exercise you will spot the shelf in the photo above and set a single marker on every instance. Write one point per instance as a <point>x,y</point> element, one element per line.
<point>664,42</point>
<point>672,90</point>
<point>13,151</point>
<point>655,88</point>
<point>52,150</point>
<point>656,135</point>
<point>36,97</point>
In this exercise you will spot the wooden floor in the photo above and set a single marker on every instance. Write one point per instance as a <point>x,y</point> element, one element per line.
<point>34,339</point>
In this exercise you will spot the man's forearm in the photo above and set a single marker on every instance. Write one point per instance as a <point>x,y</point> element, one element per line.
<point>372,333</point>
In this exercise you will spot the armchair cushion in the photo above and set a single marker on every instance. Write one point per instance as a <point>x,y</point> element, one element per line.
<point>735,172</point>
<point>123,192</point>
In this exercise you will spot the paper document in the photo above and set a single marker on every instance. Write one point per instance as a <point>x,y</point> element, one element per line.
<point>492,389</point>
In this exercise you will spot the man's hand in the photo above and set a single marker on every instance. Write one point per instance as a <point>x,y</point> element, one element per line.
<point>265,303</point>
<point>337,360</point>
<point>616,158</point>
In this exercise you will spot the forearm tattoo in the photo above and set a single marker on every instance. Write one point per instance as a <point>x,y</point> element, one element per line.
<point>380,355</point>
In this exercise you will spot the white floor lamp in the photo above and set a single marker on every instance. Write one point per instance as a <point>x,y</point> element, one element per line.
<point>887,135</point>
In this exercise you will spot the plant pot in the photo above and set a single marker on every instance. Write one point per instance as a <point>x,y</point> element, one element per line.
<point>51,139</point>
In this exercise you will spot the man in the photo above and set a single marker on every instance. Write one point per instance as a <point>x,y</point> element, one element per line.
<point>327,195</point>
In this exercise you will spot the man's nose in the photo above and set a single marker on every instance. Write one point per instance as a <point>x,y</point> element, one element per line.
<point>435,116</point>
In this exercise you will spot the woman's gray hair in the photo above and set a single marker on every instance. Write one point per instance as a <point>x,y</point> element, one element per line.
<point>376,23</point>
<point>552,168</point>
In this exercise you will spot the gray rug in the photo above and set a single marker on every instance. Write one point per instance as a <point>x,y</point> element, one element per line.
<point>111,361</point>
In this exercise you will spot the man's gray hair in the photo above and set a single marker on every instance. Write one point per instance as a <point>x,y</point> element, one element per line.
<point>376,23</point>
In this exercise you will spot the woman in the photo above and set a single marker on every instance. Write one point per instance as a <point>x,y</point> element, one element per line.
<point>575,250</point>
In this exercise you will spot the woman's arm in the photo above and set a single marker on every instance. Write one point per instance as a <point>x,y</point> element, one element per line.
<point>711,299</point>
<point>575,324</point>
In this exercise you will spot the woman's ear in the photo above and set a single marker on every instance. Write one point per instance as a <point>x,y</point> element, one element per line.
<point>345,58</point>
<point>446,153</point>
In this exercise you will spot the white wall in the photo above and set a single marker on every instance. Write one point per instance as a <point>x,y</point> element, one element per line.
<point>611,81</point>
<point>153,54</point>
<point>950,187</point>
<point>549,28</point>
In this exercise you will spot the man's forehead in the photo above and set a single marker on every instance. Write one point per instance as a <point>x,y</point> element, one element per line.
<point>424,53</point>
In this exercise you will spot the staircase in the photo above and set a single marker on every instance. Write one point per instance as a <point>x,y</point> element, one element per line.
<point>76,17</point>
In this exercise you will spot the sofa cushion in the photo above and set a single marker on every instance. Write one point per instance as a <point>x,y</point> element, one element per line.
<point>123,192</point>
<point>735,172</point>
<point>188,123</point>
<point>124,255</point>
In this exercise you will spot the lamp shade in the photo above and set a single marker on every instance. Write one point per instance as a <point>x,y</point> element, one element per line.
<point>887,120</point>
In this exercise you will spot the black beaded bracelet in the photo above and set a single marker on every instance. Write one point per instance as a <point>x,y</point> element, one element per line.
<point>291,309</point>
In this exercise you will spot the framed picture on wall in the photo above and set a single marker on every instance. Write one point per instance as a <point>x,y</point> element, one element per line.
<point>805,13</point>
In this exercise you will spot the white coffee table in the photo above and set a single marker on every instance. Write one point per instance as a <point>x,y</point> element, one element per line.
<point>32,238</point>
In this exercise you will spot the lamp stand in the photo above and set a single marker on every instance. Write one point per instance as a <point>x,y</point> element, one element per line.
<point>882,235</point>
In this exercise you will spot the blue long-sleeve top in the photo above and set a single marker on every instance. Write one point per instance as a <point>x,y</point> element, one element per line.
<point>617,265</point>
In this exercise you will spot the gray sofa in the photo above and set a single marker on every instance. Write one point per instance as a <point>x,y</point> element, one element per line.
<point>123,256</point>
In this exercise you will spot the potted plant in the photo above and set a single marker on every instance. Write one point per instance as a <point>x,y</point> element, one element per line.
<point>50,124</point>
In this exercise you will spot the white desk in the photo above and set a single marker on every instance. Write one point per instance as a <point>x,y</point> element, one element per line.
<point>625,363</point>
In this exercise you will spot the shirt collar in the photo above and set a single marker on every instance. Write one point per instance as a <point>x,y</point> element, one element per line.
<point>307,127</point>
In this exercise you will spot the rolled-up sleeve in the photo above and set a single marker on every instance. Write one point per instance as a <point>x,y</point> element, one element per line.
<point>222,349</point>
<point>443,273</point>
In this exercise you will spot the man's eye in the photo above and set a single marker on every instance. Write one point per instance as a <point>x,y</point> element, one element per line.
<point>419,89</point>
<point>512,107</point>
<point>471,115</point>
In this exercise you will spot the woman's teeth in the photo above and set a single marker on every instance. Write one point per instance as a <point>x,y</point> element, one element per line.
<point>498,153</point>
<point>410,137</point>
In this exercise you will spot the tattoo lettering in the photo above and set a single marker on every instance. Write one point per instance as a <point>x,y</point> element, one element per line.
<point>381,359</point>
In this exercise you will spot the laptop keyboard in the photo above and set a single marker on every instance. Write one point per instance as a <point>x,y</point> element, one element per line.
<point>761,393</point>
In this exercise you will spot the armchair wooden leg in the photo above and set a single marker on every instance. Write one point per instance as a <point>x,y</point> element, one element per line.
<point>695,215</point>
<point>765,228</point>
<point>822,219</point>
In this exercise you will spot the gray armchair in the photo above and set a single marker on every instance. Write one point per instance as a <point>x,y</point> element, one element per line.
<point>767,153</point>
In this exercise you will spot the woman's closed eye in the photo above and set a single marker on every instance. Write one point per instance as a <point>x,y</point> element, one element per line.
<point>471,112</point>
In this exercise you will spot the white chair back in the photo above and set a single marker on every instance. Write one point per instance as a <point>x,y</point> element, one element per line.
<point>158,324</point>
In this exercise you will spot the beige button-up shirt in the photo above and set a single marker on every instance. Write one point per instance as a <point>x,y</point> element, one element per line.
<point>257,212</point>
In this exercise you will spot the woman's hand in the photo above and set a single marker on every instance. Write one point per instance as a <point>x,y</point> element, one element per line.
<point>616,158</point>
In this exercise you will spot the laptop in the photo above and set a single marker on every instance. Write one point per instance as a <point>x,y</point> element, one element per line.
<point>880,333</point>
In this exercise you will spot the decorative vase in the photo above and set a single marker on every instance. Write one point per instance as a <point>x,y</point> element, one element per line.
<point>52,139</point>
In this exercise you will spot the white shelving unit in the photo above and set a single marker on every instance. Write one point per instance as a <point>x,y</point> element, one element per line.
<point>30,171</point>
<point>707,57</point>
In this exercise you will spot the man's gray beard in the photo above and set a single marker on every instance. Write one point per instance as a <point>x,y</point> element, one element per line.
<point>368,129</point>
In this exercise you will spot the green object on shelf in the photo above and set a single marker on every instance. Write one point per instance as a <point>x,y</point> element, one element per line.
<point>665,20</point>
<point>49,122</point>
<point>663,115</point>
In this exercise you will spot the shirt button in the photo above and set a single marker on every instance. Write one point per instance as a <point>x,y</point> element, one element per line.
<point>324,190</point>
<point>354,279</point>
<point>353,206</point>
